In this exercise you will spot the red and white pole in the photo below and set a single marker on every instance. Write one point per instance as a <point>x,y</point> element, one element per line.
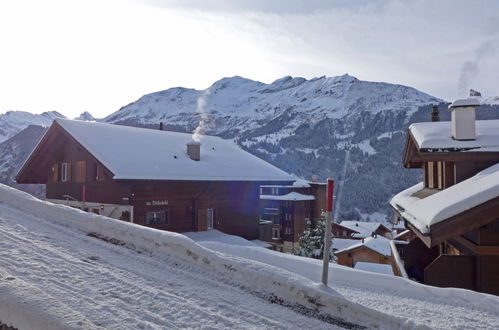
<point>327,234</point>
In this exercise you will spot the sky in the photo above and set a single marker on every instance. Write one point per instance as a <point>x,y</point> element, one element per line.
<point>99,55</point>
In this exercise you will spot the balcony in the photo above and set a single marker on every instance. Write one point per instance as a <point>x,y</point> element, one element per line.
<point>271,211</point>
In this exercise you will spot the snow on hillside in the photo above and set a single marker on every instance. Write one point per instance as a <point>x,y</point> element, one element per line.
<point>440,308</point>
<point>246,101</point>
<point>59,270</point>
<point>491,100</point>
<point>13,122</point>
<point>86,116</point>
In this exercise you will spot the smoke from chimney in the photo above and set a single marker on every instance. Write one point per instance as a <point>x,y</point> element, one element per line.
<point>201,103</point>
<point>470,68</point>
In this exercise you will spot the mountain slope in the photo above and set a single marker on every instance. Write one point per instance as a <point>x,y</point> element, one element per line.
<point>12,122</point>
<point>13,153</point>
<point>338,127</point>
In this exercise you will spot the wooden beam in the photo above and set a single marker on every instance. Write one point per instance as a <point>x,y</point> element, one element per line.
<point>465,221</point>
<point>477,249</point>
<point>425,238</point>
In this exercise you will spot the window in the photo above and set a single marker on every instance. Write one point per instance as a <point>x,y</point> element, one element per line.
<point>287,230</point>
<point>276,233</point>
<point>157,218</point>
<point>210,217</point>
<point>65,172</point>
<point>81,171</point>
<point>274,191</point>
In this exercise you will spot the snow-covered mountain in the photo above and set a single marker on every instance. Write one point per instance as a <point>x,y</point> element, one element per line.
<point>12,122</point>
<point>243,104</point>
<point>86,116</point>
<point>339,127</point>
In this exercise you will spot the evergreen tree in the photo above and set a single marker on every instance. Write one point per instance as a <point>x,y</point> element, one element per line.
<point>312,241</point>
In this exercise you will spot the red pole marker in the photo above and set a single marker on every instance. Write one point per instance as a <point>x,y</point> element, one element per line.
<point>329,195</point>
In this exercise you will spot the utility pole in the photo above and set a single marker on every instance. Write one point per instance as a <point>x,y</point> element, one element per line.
<point>327,234</point>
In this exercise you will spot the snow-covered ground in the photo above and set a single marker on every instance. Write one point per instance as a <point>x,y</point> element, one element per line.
<point>441,308</point>
<point>61,268</point>
<point>55,274</point>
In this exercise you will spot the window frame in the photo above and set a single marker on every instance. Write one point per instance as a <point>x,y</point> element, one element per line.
<point>64,172</point>
<point>155,223</point>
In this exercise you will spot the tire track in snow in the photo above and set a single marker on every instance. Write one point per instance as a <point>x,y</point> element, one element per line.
<point>121,286</point>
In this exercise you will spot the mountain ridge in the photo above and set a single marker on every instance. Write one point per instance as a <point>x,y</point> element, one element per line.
<point>340,127</point>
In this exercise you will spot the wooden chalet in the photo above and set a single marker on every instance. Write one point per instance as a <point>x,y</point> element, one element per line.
<point>363,229</point>
<point>454,212</point>
<point>286,209</point>
<point>342,232</point>
<point>374,249</point>
<point>151,177</point>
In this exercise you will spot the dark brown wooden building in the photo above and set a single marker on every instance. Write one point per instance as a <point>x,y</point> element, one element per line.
<point>286,209</point>
<point>454,212</point>
<point>150,177</point>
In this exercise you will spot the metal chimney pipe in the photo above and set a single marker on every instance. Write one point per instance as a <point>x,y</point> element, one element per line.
<point>435,116</point>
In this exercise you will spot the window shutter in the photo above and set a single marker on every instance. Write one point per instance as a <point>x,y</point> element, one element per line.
<point>55,172</point>
<point>69,172</point>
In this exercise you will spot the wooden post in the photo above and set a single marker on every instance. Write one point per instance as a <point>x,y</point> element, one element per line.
<point>327,234</point>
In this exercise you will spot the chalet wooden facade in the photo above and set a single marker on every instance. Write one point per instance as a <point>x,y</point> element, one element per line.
<point>374,250</point>
<point>286,209</point>
<point>454,212</point>
<point>145,176</point>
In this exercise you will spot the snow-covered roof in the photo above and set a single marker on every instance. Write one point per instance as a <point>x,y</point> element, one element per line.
<point>364,229</point>
<point>343,243</point>
<point>423,213</point>
<point>437,136</point>
<point>148,154</point>
<point>299,183</point>
<point>468,102</point>
<point>292,196</point>
<point>378,244</point>
<point>374,268</point>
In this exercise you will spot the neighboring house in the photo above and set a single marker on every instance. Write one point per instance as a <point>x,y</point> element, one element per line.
<point>366,229</point>
<point>454,212</point>
<point>151,177</point>
<point>342,232</point>
<point>286,209</point>
<point>374,249</point>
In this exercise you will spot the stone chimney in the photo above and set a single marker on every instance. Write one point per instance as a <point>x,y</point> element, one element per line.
<point>435,116</point>
<point>463,118</point>
<point>315,178</point>
<point>194,150</point>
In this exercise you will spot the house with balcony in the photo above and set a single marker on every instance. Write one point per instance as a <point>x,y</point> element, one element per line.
<point>454,212</point>
<point>154,178</point>
<point>286,209</point>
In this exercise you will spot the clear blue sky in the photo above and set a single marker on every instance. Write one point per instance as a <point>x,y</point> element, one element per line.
<point>98,55</point>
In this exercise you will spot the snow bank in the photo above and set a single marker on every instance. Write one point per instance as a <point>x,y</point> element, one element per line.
<point>252,275</point>
<point>311,269</point>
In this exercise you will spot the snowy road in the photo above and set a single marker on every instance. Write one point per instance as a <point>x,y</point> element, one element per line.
<point>114,287</point>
